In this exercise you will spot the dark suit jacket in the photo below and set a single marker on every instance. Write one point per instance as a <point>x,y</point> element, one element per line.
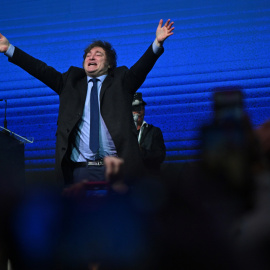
<point>153,148</point>
<point>115,102</point>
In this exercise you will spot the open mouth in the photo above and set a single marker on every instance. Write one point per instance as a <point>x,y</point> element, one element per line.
<point>91,64</point>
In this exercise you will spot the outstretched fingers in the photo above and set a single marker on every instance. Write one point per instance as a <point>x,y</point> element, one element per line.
<point>160,23</point>
<point>167,23</point>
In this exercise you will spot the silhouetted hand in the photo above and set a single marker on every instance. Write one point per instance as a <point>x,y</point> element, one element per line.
<point>113,167</point>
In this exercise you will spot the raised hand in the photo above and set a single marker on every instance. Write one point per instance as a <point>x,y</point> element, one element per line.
<point>164,32</point>
<point>4,43</point>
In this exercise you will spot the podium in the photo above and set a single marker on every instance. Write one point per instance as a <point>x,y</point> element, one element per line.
<point>12,184</point>
<point>12,165</point>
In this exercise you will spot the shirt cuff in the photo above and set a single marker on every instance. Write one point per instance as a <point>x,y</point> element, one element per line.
<point>10,51</point>
<point>155,48</point>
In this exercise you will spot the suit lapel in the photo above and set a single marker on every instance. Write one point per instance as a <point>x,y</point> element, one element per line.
<point>145,131</point>
<point>105,85</point>
<point>82,88</point>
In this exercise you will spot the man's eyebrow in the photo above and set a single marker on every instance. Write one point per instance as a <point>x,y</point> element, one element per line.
<point>96,52</point>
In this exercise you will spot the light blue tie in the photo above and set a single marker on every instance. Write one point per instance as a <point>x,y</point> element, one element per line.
<point>94,118</point>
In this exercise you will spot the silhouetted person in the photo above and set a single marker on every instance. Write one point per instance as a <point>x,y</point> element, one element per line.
<point>150,138</point>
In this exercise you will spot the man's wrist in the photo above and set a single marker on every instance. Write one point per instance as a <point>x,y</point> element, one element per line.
<point>10,51</point>
<point>156,46</point>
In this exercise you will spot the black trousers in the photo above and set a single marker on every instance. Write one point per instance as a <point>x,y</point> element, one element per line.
<point>89,173</point>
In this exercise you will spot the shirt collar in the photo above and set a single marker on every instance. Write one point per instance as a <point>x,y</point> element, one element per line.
<point>101,78</point>
<point>144,124</point>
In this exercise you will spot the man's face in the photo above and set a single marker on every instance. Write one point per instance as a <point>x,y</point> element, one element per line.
<point>95,63</point>
<point>140,114</point>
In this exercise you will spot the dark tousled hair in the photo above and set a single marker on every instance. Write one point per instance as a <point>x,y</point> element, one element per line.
<point>109,50</point>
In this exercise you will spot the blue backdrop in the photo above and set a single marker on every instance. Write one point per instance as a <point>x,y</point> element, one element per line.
<point>215,43</point>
